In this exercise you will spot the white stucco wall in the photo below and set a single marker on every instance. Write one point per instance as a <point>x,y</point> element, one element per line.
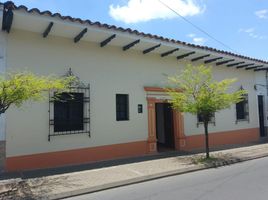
<point>109,70</point>
<point>2,70</point>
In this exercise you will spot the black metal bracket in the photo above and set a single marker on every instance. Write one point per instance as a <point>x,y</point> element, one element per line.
<point>80,35</point>
<point>185,55</point>
<point>151,49</point>
<point>7,16</point>
<point>130,45</point>
<point>48,29</point>
<point>234,64</point>
<point>106,41</point>
<point>246,65</point>
<point>169,52</point>
<point>200,57</point>
<point>212,60</point>
<point>225,61</point>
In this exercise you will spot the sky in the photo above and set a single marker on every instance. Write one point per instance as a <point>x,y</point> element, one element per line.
<point>239,26</point>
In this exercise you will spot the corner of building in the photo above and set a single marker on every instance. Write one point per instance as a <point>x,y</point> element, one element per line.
<point>3,46</point>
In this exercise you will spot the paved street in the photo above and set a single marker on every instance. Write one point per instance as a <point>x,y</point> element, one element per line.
<point>247,181</point>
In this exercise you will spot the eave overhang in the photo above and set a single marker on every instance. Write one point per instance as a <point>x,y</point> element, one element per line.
<point>47,24</point>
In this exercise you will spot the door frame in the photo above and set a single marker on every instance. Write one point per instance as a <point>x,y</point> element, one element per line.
<point>170,137</point>
<point>261,121</point>
<point>153,97</point>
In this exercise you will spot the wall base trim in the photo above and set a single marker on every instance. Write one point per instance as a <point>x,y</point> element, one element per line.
<point>108,152</point>
<point>76,156</point>
<point>2,155</point>
<point>240,136</point>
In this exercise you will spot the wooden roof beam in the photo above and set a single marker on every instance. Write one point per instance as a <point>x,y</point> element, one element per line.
<point>261,69</point>
<point>246,65</point>
<point>234,64</point>
<point>225,61</point>
<point>128,46</point>
<point>253,67</point>
<point>185,55</point>
<point>169,52</point>
<point>151,49</point>
<point>7,16</point>
<point>48,29</point>
<point>212,60</point>
<point>106,41</point>
<point>200,57</point>
<point>80,35</point>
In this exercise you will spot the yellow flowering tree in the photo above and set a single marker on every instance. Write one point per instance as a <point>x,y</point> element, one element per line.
<point>201,94</point>
<point>16,88</point>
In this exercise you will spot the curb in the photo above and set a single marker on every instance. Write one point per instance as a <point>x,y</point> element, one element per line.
<point>151,177</point>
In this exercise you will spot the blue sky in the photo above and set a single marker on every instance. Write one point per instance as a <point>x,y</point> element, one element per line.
<point>240,24</point>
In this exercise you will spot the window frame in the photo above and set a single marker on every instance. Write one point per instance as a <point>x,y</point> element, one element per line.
<point>69,102</point>
<point>126,105</point>
<point>86,112</point>
<point>246,110</point>
<point>212,120</point>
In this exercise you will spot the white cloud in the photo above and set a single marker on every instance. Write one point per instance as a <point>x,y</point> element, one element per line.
<point>191,35</point>
<point>145,10</point>
<point>262,13</point>
<point>251,32</point>
<point>197,40</point>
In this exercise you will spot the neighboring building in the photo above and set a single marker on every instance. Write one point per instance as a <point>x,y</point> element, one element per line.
<point>119,108</point>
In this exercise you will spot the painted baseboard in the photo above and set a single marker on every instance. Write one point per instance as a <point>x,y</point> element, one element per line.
<point>77,156</point>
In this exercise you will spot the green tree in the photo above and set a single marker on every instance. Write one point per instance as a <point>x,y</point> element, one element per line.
<point>195,91</point>
<point>16,88</point>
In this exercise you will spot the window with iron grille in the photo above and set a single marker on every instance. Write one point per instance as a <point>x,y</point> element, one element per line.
<point>122,110</point>
<point>242,113</point>
<point>200,119</point>
<point>69,112</point>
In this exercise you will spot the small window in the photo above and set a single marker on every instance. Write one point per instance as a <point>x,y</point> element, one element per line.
<point>69,112</point>
<point>242,113</point>
<point>200,119</point>
<point>122,110</point>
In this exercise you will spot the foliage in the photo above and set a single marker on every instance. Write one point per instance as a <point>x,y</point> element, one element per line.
<point>200,94</point>
<point>204,160</point>
<point>194,91</point>
<point>16,88</point>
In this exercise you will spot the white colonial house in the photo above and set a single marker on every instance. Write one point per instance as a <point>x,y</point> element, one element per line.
<point>119,108</point>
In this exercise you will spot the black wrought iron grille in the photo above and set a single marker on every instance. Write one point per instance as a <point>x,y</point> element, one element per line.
<point>69,113</point>
<point>122,112</point>
<point>200,119</point>
<point>242,109</point>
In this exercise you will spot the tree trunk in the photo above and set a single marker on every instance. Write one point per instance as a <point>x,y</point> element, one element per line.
<point>206,138</point>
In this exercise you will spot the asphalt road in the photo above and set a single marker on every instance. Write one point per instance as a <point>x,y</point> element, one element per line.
<point>242,181</point>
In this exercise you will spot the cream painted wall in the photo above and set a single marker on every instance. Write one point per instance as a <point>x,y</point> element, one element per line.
<point>109,70</point>
<point>2,70</point>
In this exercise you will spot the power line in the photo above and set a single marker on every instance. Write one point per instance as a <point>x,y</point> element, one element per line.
<point>197,27</point>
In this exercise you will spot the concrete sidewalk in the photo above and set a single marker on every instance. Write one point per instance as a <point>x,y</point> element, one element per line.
<point>75,183</point>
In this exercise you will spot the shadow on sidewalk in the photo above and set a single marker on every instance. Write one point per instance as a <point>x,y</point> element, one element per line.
<point>109,163</point>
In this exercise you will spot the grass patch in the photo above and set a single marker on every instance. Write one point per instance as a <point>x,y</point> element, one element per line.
<point>204,160</point>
